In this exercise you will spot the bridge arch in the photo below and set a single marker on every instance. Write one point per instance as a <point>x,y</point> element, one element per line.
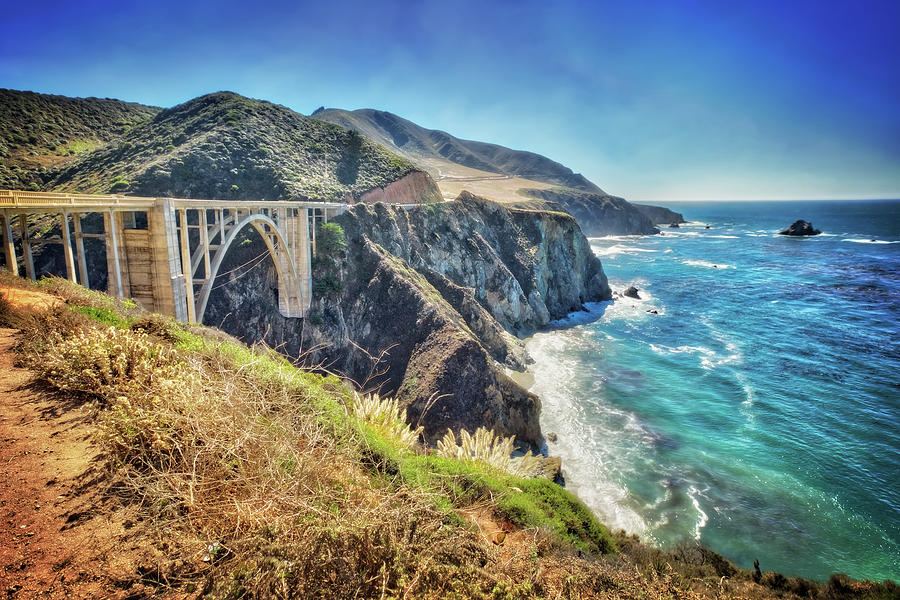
<point>285,267</point>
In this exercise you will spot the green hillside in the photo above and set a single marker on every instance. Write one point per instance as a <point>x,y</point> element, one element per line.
<point>40,133</point>
<point>417,143</point>
<point>223,145</point>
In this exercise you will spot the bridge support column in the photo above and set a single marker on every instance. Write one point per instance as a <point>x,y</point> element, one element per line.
<point>79,245</point>
<point>9,249</point>
<point>26,248</point>
<point>67,248</point>
<point>185,245</point>
<point>303,258</point>
<point>113,259</point>
<point>168,297</point>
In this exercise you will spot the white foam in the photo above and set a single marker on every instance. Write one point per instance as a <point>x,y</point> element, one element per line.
<point>702,517</point>
<point>703,263</point>
<point>580,317</point>
<point>871,241</point>
<point>594,438</point>
<point>724,237</point>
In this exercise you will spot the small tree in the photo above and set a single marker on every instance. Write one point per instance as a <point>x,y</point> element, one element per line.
<point>330,240</point>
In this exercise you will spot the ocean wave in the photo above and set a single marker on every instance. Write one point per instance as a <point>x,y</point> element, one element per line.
<point>617,249</point>
<point>709,358</point>
<point>724,237</point>
<point>594,311</point>
<point>703,263</point>
<point>702,517</point>
<point>620,238</point>
<point>871,241</point>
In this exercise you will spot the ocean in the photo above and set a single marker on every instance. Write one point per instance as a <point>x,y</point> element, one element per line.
<point>758,412</point>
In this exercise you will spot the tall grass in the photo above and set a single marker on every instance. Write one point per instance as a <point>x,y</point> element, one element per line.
<point>291,486</point>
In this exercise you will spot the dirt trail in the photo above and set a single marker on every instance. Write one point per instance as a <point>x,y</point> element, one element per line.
<point>57,540</point>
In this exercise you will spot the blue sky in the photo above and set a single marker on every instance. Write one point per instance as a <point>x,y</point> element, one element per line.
<point>650,100</point>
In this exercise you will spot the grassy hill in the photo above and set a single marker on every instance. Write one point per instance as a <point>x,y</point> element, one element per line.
<point>442,154</point>
<point>525,179</point>
<point>40,133</point>
<point>223,145</point>
<point>220,471</point>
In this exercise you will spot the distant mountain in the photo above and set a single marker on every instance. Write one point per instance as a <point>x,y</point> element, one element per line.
<point>598,214</point>
<point>40,133</point>
<point>660,215</point>
<point>434,148</point>
<point>224,145</point>
<point>523,179</point>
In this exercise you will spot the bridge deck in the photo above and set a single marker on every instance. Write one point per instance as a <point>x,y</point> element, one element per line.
<point>16,199</point>
<point>181,245</point>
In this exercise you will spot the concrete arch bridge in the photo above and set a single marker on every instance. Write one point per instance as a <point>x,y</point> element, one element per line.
<point>166,252</point>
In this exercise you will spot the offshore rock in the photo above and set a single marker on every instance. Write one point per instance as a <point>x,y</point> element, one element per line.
<point>799,228</point>
<point>631,292</point>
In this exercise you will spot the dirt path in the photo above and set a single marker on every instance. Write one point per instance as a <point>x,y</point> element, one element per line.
<point>57,539</point>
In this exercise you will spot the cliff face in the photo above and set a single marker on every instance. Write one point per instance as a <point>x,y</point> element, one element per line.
<point>525,267</point>
<point>597,214</point>
<point>660,215</point>
<point>415,188</point>
<point>425,306</point>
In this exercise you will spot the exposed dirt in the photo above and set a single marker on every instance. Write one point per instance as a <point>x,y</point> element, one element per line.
<point>59,535</point>
<point>22,298</point>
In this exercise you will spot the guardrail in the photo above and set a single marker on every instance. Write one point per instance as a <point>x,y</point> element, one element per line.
<point>26,200</point>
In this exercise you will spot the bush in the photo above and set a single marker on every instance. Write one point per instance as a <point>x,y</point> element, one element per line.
<point>330,240</point>
<point>120,185</point>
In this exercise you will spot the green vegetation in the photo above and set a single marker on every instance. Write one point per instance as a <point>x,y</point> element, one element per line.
<point>40,133</point>
<point>326,271</point>
<point>223,145</point>
<point>292,486</point>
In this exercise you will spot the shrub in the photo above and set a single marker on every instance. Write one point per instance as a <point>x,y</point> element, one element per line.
<point>385,416</point>
<point>330,240</point>
<point>120,185</point>
<point>489,448</point>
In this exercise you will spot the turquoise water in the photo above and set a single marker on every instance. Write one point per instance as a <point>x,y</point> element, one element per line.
<point>759,411</point>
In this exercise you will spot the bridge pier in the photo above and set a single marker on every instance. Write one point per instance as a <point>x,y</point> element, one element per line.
<point>67,247</point>
<point>79,246</point>
<point>9,248</point>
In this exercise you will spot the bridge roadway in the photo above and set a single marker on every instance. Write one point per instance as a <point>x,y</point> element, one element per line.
<point>165,253</point>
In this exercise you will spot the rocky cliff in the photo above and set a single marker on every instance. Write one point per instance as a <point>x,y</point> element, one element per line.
<point>598,214</point>
<point>423,304</point>
<point>660,215</point>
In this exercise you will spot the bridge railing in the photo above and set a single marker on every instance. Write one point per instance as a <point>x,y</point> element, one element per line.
<point>22,199</point>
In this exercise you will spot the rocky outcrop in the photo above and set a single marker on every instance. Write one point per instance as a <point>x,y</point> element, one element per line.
<point>426,305</point>
<point>632,292</point>
<point>525,267</point>
<point>660,215</point>
<point>800,228</point>
<point>416,188</point>
<point>598,214</point>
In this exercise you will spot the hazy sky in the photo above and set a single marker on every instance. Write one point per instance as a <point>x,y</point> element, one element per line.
<point>650,100</point>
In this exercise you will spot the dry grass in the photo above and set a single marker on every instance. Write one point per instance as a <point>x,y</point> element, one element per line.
<point>247,474</point>
<point>385,416</point>
<point>491,449</point>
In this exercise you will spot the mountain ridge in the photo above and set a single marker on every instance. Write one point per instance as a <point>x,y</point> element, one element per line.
<point>416,142</point>
<point>224,145</point>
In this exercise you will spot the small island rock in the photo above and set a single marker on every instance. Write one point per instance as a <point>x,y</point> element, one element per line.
<point>674,225</point>
<point>631,292</point>
<point>800,227</point>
